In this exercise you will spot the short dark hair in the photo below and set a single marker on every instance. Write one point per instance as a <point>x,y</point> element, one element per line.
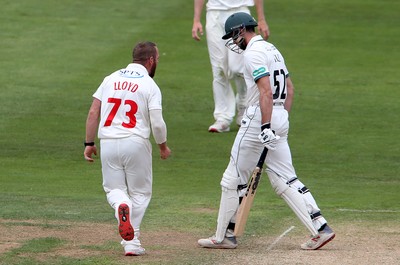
<point>143,51</point>
<point>250,29</point>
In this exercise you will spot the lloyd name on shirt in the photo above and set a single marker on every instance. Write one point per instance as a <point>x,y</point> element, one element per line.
<point>129,86</point>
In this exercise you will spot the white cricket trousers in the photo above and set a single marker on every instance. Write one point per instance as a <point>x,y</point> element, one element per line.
<point>127,174</point>
<point>226,65</point>
<point>247,149</point>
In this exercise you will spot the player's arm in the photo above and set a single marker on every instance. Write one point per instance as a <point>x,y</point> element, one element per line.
<point>267,135</point>
<point>92,123</point>
<point>289,94</point>
<point>266,101</point>
<point>159,129</point>
<point>262,23</point>
<point>197,26</point>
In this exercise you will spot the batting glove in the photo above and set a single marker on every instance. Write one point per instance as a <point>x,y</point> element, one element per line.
<point>268,138</point>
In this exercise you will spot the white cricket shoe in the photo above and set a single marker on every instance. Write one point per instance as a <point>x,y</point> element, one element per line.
<point>134,251</point>
<point>319,240</point>
<point>219,127</point>
<point>211,242</point>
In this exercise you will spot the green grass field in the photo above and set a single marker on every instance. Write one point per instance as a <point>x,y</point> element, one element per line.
<point>343,58</point>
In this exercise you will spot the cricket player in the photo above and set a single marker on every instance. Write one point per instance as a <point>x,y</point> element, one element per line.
<point>265,124</point>
<point>227,67</point>
<point>128,104</point>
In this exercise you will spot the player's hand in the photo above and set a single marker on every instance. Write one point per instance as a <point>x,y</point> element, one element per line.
<point>268,139</point>
<point>89,151</point>
<point>165,152</point>
<point>197,28</point>
<point>263,29</point>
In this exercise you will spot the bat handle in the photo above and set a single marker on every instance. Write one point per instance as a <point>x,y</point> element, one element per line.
<point>262,158</point>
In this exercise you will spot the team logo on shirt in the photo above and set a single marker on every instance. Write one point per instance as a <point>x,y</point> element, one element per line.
<point>130,74</point>
<point>259,71</point>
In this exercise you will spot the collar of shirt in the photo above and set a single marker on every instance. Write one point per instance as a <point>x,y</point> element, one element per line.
<point>136,67</point>
<point>254,39</point>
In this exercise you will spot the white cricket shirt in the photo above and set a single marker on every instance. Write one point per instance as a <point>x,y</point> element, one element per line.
<point>126,97</point>
<point>262,58</point>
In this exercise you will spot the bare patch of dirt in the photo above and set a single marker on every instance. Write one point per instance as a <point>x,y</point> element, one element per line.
<point>354,244</point>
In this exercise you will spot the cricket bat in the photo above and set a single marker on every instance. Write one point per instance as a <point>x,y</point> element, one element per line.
<point>247,201</point>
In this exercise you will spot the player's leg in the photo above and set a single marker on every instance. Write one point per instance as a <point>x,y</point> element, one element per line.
<point>114,185</point>
<point>324,232</point>
<point>139,176</point>
<point>241,92</point>
<point>244,156</point>
<point>301,201</point>
<point>228,205</point>
<point>122,206</point>
<point>286,184</point>
<point>293,198</point>
<point>235,74</point>
<point>137,161</point>
<point>224,97</point>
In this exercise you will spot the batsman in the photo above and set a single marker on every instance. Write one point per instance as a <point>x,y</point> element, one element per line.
<point>265,124</point>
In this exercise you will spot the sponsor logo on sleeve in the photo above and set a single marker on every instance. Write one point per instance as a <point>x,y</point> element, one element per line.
<point>259,71</point>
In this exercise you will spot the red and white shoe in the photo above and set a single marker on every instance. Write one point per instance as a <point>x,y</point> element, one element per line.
<point>219,127</point>
<point>134,251</point>
<point>319,240</point>
<point>124,222</point>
